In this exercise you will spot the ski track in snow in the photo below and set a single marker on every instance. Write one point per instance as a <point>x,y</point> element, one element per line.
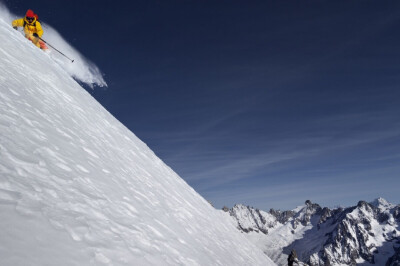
<point>78,188</point>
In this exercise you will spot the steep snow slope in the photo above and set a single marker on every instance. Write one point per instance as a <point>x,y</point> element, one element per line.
<point>78,188</point>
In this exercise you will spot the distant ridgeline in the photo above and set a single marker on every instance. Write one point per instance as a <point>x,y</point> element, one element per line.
<point>368,233</point>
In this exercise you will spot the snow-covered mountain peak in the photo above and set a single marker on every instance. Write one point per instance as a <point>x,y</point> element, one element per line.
<point>253,219</point>
<point>365,207</point>
<point>78,188</point>
<point>382,204</point>
<point>299,208</point>
<point>307,211</point>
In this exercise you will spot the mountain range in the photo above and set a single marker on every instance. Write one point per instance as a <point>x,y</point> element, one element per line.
<point>365,234</point>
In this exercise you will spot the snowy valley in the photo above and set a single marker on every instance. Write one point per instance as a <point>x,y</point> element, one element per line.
<point>78,188</point>
<point>365,234</point>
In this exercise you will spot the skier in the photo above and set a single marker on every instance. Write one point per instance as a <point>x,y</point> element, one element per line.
<point>292,258</point>
<point>32,28</point>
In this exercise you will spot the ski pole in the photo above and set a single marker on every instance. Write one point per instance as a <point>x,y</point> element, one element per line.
<point>56,49</point>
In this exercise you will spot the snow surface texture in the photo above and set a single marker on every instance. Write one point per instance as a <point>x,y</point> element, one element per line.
<point>366,234</point>
<point>81,69</point>
<point>78,188</point>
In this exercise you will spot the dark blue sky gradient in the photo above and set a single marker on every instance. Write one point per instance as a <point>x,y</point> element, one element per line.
<point>266,103</point>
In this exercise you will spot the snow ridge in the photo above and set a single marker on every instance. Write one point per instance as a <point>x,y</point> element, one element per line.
<point>78,188</point>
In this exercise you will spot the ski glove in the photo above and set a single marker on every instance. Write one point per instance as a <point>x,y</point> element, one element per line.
<point>35,35</point>
<point>15,28</point>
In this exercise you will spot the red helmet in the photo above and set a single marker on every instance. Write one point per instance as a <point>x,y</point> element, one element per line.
<point>30,16</point>
<point>30,13</point>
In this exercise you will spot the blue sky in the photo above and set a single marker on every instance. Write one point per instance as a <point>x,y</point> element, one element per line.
<point>266,103</point>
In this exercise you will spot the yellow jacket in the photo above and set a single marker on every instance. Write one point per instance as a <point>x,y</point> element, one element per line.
<point>29,28</point>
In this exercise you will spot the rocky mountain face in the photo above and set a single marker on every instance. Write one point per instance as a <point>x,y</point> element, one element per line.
<point>365,234</point>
